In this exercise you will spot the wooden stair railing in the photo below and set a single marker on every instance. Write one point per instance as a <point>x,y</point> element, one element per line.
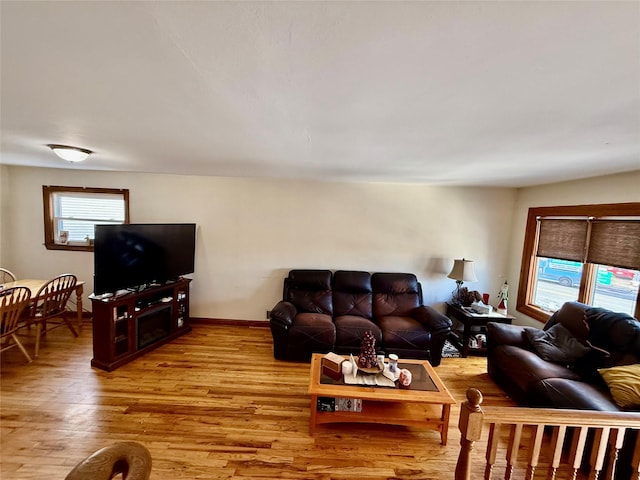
<point>554,443</point>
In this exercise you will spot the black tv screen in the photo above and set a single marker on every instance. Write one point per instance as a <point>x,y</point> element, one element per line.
<point>134,255</point>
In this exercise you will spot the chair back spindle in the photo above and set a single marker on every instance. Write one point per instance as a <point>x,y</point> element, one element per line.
<point>53,296</point>
<point>51,303</point>
<point>6,276</point>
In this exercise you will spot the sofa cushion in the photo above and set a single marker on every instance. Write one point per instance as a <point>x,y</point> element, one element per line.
<point>310,279</point>
<point>613,331</point>
<point>352,293</point>
<point>571,393</point>
<point>624,384</point>
<point>350,331</point>
<point>395,294</point>
<point>556,344</point>
<point>352,281</point>
<point>507,334</point>
<point>572,316</point>
<point>317,302</point>
<point>587,366</point>
<point>404,333</point>
<point>310,290</point>
<point>313,330</point>
<point>524,367</point>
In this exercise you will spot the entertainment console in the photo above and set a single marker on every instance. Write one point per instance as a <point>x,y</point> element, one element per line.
<point>131,325</point>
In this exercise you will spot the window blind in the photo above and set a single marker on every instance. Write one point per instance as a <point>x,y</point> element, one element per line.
<point>564,239</point>
<point>78,212</point>
<point>615,243</point>
<point>90,206</point>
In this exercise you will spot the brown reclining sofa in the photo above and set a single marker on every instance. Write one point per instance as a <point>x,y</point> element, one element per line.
<point>569,377</point>
<point>322,311</point>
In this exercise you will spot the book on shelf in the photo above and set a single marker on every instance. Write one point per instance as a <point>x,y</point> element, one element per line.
<point>326,404</point>
<point>338,404</point>
<point>348,405</point>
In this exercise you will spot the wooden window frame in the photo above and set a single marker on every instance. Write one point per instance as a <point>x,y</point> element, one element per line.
<point>47,201</point>
<point>527,269</point>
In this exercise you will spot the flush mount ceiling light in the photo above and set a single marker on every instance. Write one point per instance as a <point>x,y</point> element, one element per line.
<point>70,154</point>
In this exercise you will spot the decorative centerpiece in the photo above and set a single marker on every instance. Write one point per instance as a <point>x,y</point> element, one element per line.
<point>367,360</point>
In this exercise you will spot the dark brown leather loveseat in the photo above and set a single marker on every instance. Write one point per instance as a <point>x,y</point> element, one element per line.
<point>322,311</point>
<point>605,338</point>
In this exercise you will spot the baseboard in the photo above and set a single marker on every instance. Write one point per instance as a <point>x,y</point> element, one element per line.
<point>229,322</point>
<point>86,316</point>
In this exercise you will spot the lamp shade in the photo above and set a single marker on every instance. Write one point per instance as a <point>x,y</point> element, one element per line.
<point>70,154</point>
<point>462,271</point>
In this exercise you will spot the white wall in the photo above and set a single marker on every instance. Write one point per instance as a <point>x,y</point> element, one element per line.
<point>252,231</point>
<point>4,212</point>
<point>621,188</point>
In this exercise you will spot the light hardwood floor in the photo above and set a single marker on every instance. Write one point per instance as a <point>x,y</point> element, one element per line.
<point>213,404</point>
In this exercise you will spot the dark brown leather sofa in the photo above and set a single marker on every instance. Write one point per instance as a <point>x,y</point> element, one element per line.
<point>520,371</point>
<point>323,311</point>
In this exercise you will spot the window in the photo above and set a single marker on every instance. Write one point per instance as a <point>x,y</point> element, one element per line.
<point>585,253</point>
<point>70,214</point>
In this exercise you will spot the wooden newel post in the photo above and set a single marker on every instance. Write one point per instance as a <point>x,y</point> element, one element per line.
<point>470,426</point>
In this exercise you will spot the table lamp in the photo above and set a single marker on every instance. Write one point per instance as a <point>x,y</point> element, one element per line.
<point>461,272</point>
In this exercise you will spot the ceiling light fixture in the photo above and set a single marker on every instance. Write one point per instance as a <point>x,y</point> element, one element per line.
<point>70,154</point>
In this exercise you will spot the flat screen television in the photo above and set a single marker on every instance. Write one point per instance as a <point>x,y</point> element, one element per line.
<point>138,254</point>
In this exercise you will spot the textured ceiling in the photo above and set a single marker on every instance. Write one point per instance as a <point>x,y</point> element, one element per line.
<point>451,93</point>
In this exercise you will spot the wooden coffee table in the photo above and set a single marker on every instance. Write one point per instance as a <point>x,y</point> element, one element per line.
<point>425,404</point>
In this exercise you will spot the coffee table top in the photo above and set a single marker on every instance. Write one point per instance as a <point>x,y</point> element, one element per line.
<point>434,390</point>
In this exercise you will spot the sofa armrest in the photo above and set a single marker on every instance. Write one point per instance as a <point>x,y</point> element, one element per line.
<point>432,320</point>
<point>438,325</point>
<point>507,334</point>
<point>283,314</point>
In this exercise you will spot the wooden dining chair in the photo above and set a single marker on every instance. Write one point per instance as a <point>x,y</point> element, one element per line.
<point>13,301</point>
<point>6,276</point>
<point>50,306</point>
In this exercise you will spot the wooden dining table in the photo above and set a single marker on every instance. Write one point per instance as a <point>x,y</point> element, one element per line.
<point>34,286</point>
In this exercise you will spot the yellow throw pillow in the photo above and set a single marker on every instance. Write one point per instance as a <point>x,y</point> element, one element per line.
<point>624,384</point>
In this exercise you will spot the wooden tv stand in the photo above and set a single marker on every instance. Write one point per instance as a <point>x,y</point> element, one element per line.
<point>128,326</point>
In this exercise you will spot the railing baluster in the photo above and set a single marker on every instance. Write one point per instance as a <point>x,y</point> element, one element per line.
<point>512,452</point>
<point>598,452</point>
<point>635,462</point>
<point>492,450</point>
<point>577,449</point>
<point>557,441</point>
<point>616,439</point>
<point>534,451</point>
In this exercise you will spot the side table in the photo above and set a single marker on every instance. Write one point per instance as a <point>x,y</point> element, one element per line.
<point>469,320</point>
